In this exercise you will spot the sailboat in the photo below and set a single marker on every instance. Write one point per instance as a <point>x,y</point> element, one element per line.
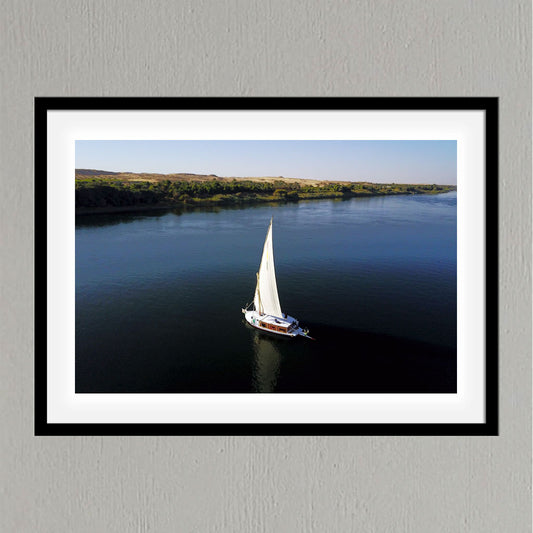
<point>266,314</point>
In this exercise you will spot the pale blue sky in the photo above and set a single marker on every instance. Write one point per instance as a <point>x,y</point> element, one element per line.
<point>376,161</point>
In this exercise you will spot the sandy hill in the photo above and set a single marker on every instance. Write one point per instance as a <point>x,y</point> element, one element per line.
<point>183,176</point>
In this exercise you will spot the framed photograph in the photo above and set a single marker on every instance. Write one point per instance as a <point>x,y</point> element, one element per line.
<point>266,266</point>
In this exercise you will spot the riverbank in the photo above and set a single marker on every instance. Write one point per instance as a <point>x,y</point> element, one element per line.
<point>122,193</point>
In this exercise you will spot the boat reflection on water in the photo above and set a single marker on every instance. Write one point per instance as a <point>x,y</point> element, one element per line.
<point>267,359</point>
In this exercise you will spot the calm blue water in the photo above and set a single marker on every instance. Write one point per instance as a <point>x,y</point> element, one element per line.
<point>159,297</point>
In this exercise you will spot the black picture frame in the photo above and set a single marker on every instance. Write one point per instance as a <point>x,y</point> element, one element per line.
<point>489,105</point>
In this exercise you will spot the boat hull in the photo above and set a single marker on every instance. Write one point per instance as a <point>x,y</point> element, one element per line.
<point>284,327</point>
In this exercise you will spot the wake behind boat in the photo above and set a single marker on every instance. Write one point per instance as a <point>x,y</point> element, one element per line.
<point>266,313</point>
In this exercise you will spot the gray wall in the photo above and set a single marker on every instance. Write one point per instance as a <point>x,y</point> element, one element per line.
<point>243,48</point>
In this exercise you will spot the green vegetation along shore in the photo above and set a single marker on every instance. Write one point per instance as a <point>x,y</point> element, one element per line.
<point>100,191</point>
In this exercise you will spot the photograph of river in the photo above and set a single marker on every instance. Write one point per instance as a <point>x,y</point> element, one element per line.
<point>159,296</point>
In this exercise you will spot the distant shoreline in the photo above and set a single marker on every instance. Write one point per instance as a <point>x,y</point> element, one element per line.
<point>100,192</point>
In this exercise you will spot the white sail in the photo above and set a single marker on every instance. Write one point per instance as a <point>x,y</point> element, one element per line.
<point>266,298</point>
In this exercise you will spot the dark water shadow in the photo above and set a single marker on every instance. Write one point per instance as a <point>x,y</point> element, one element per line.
<point>132,214</point>
<point>343,360</point>
<point>95,220</point>
<point>108,217</point>
<point>340,360</point>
